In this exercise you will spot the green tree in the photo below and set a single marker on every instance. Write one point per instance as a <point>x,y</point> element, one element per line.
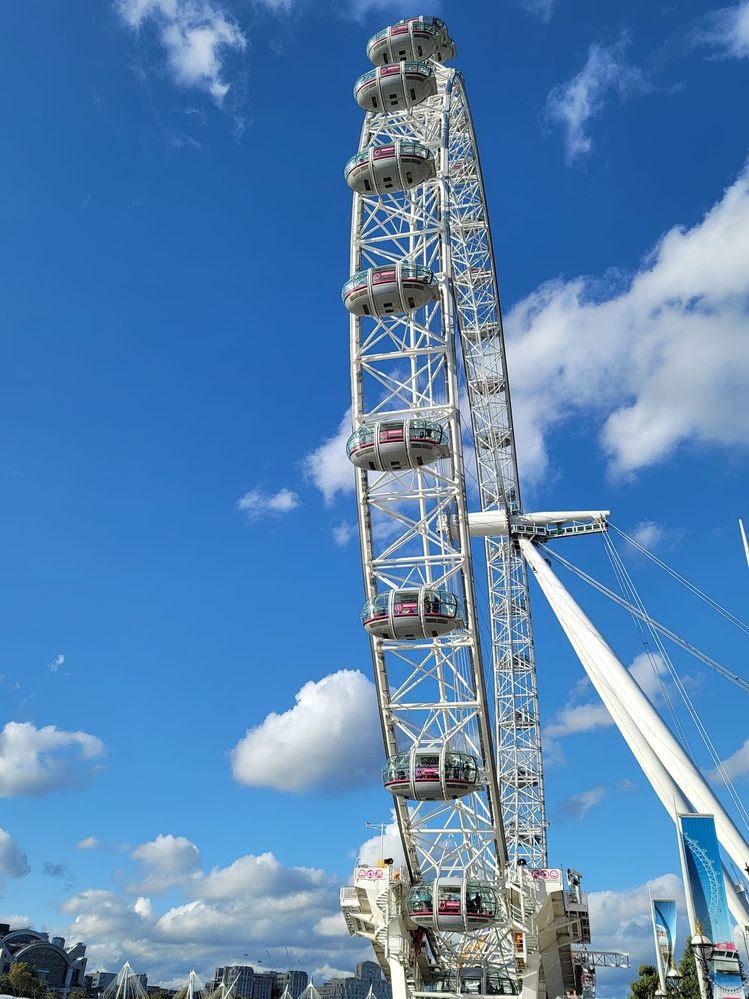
<point>22,980</point>
<point>78,994</point>
<point>690,983</point>
<point>644,986</point>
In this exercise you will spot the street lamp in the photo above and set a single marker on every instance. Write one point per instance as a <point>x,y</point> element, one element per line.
<point>703,948</point>
<point>660,994</point>
<point>673,981</point>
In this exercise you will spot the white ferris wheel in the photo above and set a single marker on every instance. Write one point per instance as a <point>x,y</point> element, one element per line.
<point>476,909</point>
<point>427,350</point>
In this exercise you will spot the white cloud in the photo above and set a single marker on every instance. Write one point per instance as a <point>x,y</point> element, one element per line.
<point>577,806</point>
<point>648,534</point>
<point>332,926</point>
<point>36,761</point>
<point>737,764</point>
<point>573,104</point>
<point>166,861</point>
<point>343,533</point>
<point>378,847</point>
<point>196,35</point>
<point>56,663</point>
<point>727,31</point>
<point>330,739</point>
<point>143,907</point>
<point>620,920</point>
<point>657,362</point>
<point>13,862</point>
<point>254,902</point>
<point>328,467</point>
<point>576,717</point>
<point>542,8</point>
<point>256,503</point>
<point>261,876</point>
<point>89,843</point>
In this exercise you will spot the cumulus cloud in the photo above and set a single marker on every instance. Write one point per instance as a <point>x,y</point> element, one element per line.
<point>621,921</point>
<point>379,846</point>
<point>737,764</point>
<point>36,761</point>
<point>196,35</point>
<point>576,102</point>
<point>648,534</point>
<point>328,468</point>
<point>329,740</point>
<point>166,861</point>
<point>726,31</point>
<point>259,876</point>
<point>256,503</point>
<point>255,901</point>
<point>578,716</point>
<point>343,533</point>
<point>577,806</point>
<point>89,843</point>
<point>672,369</point>
<point>57,663</point>
<point>13,862</point>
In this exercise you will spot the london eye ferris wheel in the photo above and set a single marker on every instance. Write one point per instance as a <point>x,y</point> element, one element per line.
<point>432,424</point>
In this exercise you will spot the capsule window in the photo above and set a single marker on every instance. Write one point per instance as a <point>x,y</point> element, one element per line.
<point>374,103</point>
<point>409,177</point>
<point>367,185</point>
<point>411,302</point>
<point>413,94</point>
<point>365,310</point>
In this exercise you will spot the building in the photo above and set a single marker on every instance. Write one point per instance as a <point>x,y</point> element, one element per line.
<point>295,981</point>
<point>253,984</point>
<point>368,976</point>
<point>100,980</point>
<point>61,968</point>
<point>262,985</point>
<point>244,975</point>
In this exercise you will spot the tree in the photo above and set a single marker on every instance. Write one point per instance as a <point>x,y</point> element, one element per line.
<point>645,985</point>
<point>22,980</point>
<point>690,983</point>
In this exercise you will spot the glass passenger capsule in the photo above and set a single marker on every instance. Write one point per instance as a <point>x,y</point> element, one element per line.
<point>390,445</point>
<point>431,774</point>
<point>489,439</point>
<point>413,38</point>
<point>421,612</point>
<point>393,166</point>
<point>453,904</point>
<point>395,88</point>
<point>490,385</point>
<point>389,291</point>
<point>476,981</point>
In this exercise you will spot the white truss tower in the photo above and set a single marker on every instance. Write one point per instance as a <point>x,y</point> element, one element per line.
<point>414,527</point>
<point>518,735</point>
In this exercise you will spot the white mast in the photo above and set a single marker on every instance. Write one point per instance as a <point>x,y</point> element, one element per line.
<point>675,779</point>
<point>743,539</point>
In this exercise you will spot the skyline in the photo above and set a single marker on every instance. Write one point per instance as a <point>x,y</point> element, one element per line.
<point>174,481</point>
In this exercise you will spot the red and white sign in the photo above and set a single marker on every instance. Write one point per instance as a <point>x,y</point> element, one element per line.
<point>546,874</point>
<point>369,873</point>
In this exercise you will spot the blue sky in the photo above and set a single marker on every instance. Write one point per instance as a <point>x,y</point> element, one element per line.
<point>178,563</point>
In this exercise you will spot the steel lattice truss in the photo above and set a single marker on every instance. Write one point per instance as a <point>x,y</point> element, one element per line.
<point>518,736</point>
<point>414,525</point>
